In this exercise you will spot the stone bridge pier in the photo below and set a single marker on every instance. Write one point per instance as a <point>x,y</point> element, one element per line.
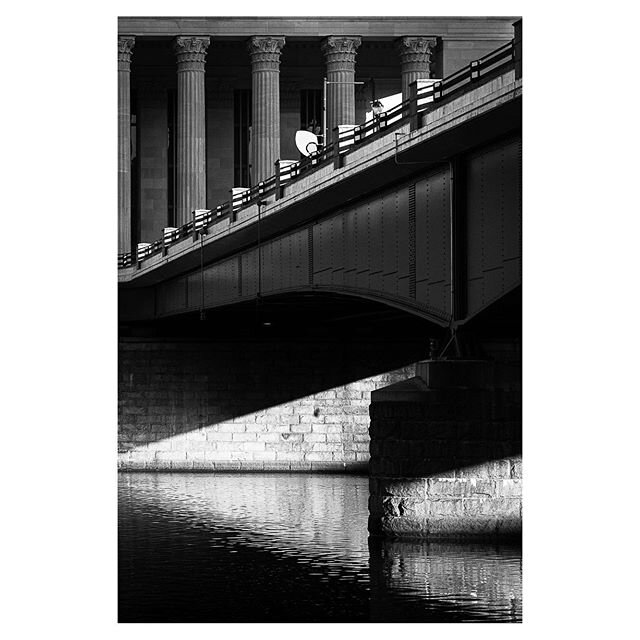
<point>446,453</point>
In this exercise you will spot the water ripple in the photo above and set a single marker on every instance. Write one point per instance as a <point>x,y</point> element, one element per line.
<point>279,547</point>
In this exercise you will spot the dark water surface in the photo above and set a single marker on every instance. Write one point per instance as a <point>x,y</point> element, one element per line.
<point>292,548</point>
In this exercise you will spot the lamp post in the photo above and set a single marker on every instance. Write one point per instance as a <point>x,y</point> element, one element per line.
<point>376,108</point>
<point>324,104</point>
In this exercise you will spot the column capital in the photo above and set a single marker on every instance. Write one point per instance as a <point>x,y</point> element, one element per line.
<point>125,49</point>
<point>415,49</point>
<point>265,48</point>
<point>340,48</point>
<point>191,49</point>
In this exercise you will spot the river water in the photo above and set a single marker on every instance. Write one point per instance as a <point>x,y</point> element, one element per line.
<point>292,548</point>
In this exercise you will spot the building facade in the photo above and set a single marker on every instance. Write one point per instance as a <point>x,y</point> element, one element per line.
<point>209,104</point>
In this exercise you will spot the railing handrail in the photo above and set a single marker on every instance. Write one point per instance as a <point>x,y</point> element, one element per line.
<point>345,141</point>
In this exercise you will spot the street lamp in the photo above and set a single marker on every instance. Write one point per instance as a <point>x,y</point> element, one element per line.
<point>377,108</point>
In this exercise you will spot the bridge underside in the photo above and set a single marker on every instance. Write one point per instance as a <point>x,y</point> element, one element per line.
<point>262,348</point>
<point>442,245</point>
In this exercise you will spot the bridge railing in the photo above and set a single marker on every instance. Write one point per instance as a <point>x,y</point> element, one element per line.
<point>344,140</point>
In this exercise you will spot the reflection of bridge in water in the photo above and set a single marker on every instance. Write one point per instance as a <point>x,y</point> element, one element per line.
<point>320,523</point>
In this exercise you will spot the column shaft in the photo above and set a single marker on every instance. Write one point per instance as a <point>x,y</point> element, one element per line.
<point>265,103</point>
<point>340,58</point>
<point>125,48</point>
<point>415,57</point>
<point>191,188</point>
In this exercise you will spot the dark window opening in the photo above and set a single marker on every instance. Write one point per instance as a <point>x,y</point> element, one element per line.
<point>241,132</point>
<point>311,110</point>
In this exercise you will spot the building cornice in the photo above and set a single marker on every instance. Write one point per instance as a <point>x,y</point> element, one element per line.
<point>375,27</point>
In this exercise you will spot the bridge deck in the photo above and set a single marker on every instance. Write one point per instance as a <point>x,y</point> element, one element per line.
<point>487,112</point>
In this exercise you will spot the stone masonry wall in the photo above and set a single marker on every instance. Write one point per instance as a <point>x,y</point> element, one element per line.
<point>446,454</point>
<point>251,406</point>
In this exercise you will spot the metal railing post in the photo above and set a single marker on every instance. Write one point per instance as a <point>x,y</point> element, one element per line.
<point>414,123</point>
<point>232,212</point>
<point>194,235</point>
<point>337,158</point>
<point>278,193</point>
<point>474,71</point>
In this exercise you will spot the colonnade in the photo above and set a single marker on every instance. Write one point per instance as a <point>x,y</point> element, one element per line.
<point>264,52</point>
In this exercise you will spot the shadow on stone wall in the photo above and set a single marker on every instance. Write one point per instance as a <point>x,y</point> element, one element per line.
<point>255,398</point>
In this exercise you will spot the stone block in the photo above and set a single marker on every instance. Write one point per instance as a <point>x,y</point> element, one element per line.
<point>264,455</point>
<point>243,436</point>
<point>490,469</point>
<point>141,455</point>
<point>300,429</point>
<point>509,488</point>
<point>400,527</point>
<point>300,465</point>
<point>214,437</point>
<point>256,427</point>
<point>253,446</point>
<point>272,437</point>
<point>515,468</point>
<point>163,456</point>
<point>446,507</point>
<point>498,507</point>
<point>197,455</point>
<point>228,465</point>
<point>445,488</point>
<point>161,465</point>
<point>199,465</point>
<point>401,487</point>
<point>320,427</point>
<point>229,446</point>
<point>457,527</point>
<point>316,456</point>
<point>230,427</point>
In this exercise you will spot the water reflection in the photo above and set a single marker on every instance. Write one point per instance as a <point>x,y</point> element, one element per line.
<point>287,547</point>
<point>470,582</point>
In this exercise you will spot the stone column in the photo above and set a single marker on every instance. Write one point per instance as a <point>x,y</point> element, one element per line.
<point>191,145</point>
<point>265,105</point>
<point>125,48</point>
<point>415,58</point>
<point>340,57</point>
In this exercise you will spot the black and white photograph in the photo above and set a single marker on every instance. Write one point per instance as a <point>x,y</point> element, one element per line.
<point>319,307</point>
<point>290,294</point>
